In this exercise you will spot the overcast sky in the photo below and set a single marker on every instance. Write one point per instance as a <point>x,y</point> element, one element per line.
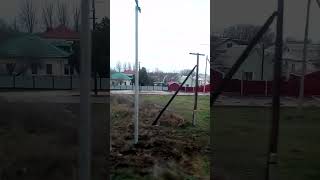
<point>9,9</point>
<point>227,12</point>
<point>168,31</point>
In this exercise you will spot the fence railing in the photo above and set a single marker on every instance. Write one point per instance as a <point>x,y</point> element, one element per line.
<point>64,83</point>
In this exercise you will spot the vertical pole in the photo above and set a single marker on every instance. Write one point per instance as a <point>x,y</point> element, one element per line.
<point>205,76</point>
<point>33,82</point>
<point>273,148</point>
<point>71,82</point>
<point>93,31</point>
<point>304,63</point>
<point>136,119</point>
<point>262,61</point>
<point>14,80</point>
<point>52,77</point>
<point>266,88</point>
<point>85,89</point>
<point>196,95</point>
<point>241,85</point>
<point>100,82</point>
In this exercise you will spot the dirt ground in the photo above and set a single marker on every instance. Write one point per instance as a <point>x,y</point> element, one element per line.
<point>40,141</point>
<point>162,152</point>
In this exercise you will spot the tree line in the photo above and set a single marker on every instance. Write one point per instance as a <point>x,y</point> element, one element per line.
<point>50,14</point>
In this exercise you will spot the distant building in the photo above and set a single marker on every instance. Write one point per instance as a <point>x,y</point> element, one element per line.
<point>27,54</point>
<point>226,53</point>
<point>120,79</point>
<point>129,73</point>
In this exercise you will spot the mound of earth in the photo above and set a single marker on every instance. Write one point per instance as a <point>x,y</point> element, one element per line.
<point>157,145</point>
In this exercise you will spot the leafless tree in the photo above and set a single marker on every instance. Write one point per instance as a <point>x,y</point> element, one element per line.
<point>118,66</point>
<point>76,18</point>
<point>28,15</point>
<point>14,25</point>
<point>124,66</point>
<point>129,66</point>
<point>48,15</point>
<point>62,13</point>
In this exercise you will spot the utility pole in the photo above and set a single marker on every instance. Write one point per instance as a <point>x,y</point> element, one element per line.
<point>136,102</point>
<point>85,89</point>
<point>205,76</point>
<point>93,6</point>
<point>196,90</point>
<point>304,61</point>
<point>272,164</point>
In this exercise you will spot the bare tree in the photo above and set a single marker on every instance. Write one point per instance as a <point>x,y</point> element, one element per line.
<point>129,66</point>
<point>76,19</point>
<point>27,16</point>
<point>62,13</point>
<point>124,66</point>
<point>118,66</point>
<point>48,15</point>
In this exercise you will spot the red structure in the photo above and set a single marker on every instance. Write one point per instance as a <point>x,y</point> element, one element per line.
<point>61,32</point>
<point>173,86</point>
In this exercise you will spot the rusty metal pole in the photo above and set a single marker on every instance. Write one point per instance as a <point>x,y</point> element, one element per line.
<point>272,164</point>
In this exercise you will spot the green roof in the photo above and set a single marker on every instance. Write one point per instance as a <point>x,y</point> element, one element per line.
<point>120,76</point>
<point>30,46</point>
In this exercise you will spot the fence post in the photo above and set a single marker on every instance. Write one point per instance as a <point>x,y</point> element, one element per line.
<point>52,82</point>
<point>14,80</point>
<point>241,87</point>
<point>266,88</point>
<point>33,82</point>
<point>71,82</point>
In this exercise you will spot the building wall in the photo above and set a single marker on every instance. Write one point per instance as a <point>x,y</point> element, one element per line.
<point>58,66</point>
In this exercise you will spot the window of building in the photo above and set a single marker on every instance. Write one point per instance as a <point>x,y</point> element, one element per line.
<point>66,70</point>
<point>248,76</point>
<point>34,69</point>
<point>49,69</point>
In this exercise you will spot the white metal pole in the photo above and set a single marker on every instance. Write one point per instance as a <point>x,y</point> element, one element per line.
<point>136,102</point>
<point>305,46</point>
<point>85,86</point>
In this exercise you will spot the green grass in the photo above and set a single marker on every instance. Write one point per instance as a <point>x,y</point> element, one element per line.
<point>241,136</point>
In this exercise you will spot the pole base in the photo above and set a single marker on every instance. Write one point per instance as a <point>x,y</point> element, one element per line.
<point>273,168</point>
<point>194,117</point>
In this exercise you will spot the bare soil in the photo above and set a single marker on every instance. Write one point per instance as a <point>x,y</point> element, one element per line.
<point>162,152</point>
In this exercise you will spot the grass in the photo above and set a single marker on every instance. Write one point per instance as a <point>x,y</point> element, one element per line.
<point>241,136</point>
<point>42,138</point>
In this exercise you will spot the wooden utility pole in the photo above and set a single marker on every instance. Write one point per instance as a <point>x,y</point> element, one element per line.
<point>205,76</point>
<point>304,60</point>
<point>272,164</point>
<point>196,90</point>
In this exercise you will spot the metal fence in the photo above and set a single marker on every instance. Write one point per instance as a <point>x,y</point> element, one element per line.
<point>64,83</point>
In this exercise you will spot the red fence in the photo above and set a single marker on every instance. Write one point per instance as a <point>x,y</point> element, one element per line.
<point>288,87</point>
